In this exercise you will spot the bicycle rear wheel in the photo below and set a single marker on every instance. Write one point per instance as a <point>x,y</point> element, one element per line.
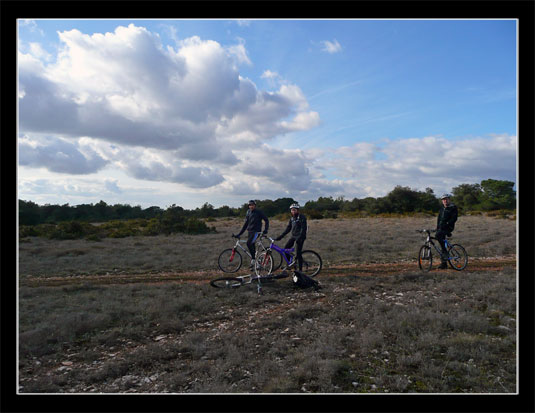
<point>264,264</point>
<point>458,257</point>
<point>229,260</point>
<point>425,258</point>
<point>312,263</point>
<point>226,282</point>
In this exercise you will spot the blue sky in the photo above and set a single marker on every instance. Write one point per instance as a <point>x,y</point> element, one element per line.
<point>161,112</point>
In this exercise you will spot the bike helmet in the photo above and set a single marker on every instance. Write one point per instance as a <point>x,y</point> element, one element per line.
<point>296,206</point>
<point>252,202</point>
<point>446,195</point>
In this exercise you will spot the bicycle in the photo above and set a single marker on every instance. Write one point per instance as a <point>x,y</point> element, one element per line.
<point>457,256</point>
<point>235,282</point>
<point>312,262</point>
<point>230,259</point>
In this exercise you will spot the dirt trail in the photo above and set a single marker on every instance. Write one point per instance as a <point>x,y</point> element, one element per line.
<point>367,269</point>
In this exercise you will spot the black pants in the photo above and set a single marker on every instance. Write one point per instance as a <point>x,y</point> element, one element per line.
<point>298,249</point>
<point>441,236</point>
<point>251,238</point>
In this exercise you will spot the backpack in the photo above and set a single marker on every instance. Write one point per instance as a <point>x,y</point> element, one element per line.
<point>304,281</point>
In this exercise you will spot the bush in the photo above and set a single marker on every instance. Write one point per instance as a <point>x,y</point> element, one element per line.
<point>313,214</point>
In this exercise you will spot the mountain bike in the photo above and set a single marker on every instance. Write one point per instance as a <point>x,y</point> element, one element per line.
<point>457,256</point>
<point>230,259</point>
<point>312,262</point>
<point>238,281</point>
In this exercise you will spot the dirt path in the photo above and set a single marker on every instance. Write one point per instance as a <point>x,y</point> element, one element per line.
<point>368,269</point>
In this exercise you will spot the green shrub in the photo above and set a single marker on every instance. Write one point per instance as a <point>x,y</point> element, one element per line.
<point>28,231</point>
<point>313,214</point>
<point>195,226</point>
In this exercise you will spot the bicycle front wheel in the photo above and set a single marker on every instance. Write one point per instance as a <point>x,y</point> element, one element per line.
<point>425,258</point>
<point>229,260</point>
<point>226,282</point>
<point>263,264</point>
<point>312,263</point>
<point>458,258</point>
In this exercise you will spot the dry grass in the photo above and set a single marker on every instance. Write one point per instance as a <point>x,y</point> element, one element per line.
<point>396,332</point>
<point>339,241</point>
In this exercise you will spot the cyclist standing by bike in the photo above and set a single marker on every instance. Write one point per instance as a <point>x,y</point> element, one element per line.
<point>445,224</point>
<point>253,224</point>
<point>298,226</point>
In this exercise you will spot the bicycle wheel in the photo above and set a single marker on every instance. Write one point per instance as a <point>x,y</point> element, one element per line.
<point>311,263</point>
<point>229,260</point>
<point>425,258</point>
<point>226,282</point>
<point>458,257</point>
<point>264,264</point>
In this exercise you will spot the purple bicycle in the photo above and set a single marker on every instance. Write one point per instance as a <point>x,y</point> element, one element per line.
<point>264,267</point>
<point>312,262</point>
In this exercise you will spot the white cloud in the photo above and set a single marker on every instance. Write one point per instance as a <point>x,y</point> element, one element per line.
<point>331,47</point>
<point>171,114</point>
<point>433,161</point>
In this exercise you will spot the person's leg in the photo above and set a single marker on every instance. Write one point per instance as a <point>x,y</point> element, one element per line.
<point>251,243</point>
<point>289,244</point>
<point>298,250</point>
<point>441,236</point>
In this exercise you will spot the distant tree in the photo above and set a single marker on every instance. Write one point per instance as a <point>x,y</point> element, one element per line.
<point>206,211</point>
<point>467,196</point>
<point>402,199</point>
<point>29,213</point>
<point>427,201</point>
<point>172,220</point>
<point>497,194</point>
<point>152,212</point>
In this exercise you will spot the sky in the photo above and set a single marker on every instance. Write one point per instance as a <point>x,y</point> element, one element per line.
<point>188,112</point>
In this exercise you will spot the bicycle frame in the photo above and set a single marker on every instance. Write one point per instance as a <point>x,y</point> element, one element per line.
<point>429,241</point>
<point>282,251</point>
<point>258,243</point>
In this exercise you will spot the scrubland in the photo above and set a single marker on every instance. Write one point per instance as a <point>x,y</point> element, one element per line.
<point>137,315</point>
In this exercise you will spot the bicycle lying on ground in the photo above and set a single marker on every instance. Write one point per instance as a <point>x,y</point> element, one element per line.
<point>230,259</point>
<point>235,282</point>
<point>457,256</point>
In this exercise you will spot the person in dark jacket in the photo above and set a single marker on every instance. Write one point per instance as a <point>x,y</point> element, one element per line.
<point>253,225</point>
<point>298,227</point>
<point>445,225</point>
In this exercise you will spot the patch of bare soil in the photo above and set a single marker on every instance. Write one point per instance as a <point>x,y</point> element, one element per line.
<point>361,270</point>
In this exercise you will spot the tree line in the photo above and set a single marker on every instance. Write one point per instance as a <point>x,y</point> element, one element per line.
<point>488,195</point>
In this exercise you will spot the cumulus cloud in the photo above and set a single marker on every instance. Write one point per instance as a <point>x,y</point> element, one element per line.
<point>187,106</point>
<point>59,155</point>
<point>433,161</point>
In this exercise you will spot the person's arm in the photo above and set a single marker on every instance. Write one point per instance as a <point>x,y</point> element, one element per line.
<point>288,229</point>
<point>453,217</point>
<point>266,220</point>
<point>303,233</point>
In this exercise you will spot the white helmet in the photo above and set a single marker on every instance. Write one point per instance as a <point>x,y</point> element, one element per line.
<point>446,195</point>
<point>296,206</point>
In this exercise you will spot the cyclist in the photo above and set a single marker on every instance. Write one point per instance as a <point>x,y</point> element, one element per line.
<point>298,226</point>
<point>445,224</point>
<point>253,224</point>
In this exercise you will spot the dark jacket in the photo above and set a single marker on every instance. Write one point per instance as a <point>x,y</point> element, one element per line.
<point>298,226</point>
<point>253,221</point>
<point>447,218</point>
